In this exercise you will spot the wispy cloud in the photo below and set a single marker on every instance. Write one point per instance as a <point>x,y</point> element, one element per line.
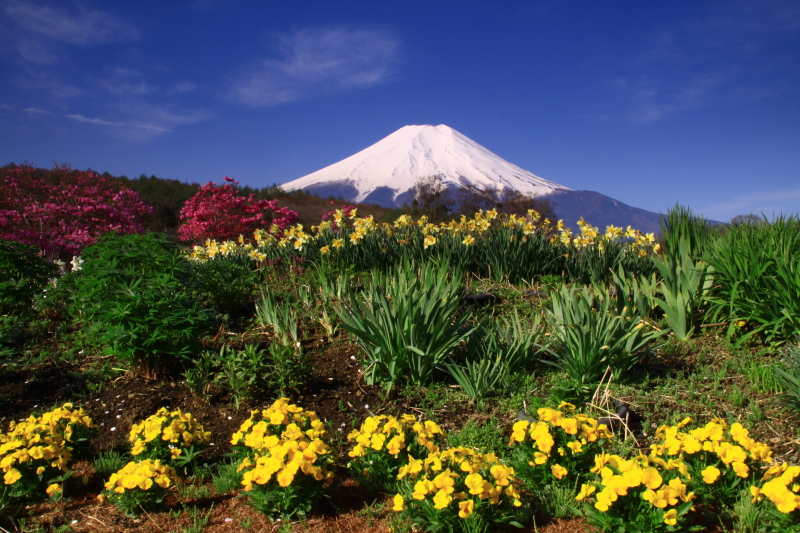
<point>36,111</point>
<point>653,98</point>
<point>721,55</point>
<point>314,62</point>
<point>78,27</point>
<point>786,201</point>
<point>38,29</point>
<point>126,82</point>
<point>142,122</point>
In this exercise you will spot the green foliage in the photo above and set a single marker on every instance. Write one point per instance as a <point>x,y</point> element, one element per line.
<point>23,277</point>
<point>789,377</point>
<point>485,436</point>
<point>198,519</point>
<point>250,370</point>
<point>288,368</point>
<point>756,271</point>
<point>684,281</point>
<point>281,318</point>
<point>506,346</point>
<point>638,293</point>
<point>681,225</point>
<point>589,336</point>
<point>133,295</point>
<point>226,285</point>
<point>108,462</point>
<point>509,254</point>
<point>241,371</point>
<point>226,478</point>
<point>407,322</point>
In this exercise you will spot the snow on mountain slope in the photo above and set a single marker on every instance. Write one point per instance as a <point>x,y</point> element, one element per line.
<point>385,171</point>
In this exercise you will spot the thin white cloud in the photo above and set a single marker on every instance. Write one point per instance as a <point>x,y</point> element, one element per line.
<point>313,62</point>
<point>37,111</point>
<point>38,30</point>
<point>653,98</point>
<point>722,55</point>
<point>126,82</point>
<point>82,27</point>
<point>786,201</point>
<point>143,122</point>
<point>98,121</point>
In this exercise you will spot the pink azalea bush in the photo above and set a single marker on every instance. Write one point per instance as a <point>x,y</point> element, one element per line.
<point>222,213</point>
<point>62,211</point>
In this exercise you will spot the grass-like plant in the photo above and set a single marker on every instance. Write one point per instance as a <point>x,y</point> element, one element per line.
<point>281,318</point>
<point>507,345</point>
<point>684,280</point>
<point>681,224</point>
<point>756,271</point>
<point>638,293</point>
<point>789,377</point>
<point>590,336</point>
<point>407,322</point>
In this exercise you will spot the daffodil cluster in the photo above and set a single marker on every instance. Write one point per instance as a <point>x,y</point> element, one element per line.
<point>168,435</point>
<point>346,229</point>
<point>455,485</point>
<point>139,484</point>
<point>286,458</point>
<point>589,236</point>
<point>559,446</point>
<point>383,444</point>
<point>35,450</point>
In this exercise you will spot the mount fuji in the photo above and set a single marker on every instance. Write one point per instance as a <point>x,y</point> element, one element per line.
<point>386,174</point>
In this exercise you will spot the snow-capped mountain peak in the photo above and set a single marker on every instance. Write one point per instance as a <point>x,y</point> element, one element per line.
<point>387,170</point>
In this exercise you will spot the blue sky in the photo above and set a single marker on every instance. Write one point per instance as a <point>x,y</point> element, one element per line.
<point>651,103</point>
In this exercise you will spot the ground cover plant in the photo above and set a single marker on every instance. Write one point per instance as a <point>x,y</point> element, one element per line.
<point>362,376</point>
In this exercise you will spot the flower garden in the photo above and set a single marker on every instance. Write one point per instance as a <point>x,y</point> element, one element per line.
<point>494,372</point>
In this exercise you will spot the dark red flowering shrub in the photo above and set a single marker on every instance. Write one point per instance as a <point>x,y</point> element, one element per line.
<point>222,213</point>
<point>61,211</point>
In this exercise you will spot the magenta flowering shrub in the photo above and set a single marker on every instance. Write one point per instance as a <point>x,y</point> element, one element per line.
<point>336,216</point>
<point>223,214</point>
<point>61,211</point>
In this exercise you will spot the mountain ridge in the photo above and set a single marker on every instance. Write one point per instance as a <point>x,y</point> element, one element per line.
<point>386,173</point>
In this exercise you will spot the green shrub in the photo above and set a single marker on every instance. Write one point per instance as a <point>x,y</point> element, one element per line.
<point>133,295</point>
<point>226,285</point>
<point>23,277</point>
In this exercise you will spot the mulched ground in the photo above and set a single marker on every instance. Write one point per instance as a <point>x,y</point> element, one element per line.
<point>335,392</point>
